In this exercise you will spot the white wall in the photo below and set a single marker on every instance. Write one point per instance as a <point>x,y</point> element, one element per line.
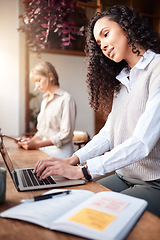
<point>11,101</point>
<point>71,70</point>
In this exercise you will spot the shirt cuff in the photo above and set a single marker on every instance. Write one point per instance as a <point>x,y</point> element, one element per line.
<point>95,167</point>
<point>82,154</point>
<point>56,142</point>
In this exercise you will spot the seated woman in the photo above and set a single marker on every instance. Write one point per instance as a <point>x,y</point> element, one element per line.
<point>123,64</point>
<point>56,120</point>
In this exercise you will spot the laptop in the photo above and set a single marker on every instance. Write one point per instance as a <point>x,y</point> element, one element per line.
<point>25,180</point>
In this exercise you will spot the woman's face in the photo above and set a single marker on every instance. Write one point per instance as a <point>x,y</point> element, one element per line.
<point>111,39</point>
<point>41,83</point>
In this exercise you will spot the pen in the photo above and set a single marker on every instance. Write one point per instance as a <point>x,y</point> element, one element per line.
<point>45,196</point>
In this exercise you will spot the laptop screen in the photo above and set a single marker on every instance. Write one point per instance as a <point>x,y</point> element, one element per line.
<point>6,159</point>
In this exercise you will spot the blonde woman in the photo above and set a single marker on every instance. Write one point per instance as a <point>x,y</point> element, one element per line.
<point>56,120</point>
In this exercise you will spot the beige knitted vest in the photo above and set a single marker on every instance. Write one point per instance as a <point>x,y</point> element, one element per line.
<point>127,108</point>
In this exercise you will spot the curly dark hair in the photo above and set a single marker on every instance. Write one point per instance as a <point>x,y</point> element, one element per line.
<point>102,72</point>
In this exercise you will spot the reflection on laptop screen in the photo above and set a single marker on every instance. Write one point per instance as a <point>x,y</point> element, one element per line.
<point>7,160</point>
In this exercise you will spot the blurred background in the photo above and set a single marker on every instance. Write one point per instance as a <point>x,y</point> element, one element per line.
<point>19,103</point>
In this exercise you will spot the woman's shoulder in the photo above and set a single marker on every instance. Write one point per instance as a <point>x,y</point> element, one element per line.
<point>153,76</point>
<point>155,61</point>
<point>62,92</point>
<point>153,69</point>
<point>65,94</point>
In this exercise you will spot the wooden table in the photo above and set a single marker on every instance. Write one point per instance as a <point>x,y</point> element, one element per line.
<point>147,228</point>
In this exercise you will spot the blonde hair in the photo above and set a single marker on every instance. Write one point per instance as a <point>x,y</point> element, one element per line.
<point>44,68</point>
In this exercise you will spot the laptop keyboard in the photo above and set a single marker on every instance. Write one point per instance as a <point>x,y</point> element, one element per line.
<point>29,179</point>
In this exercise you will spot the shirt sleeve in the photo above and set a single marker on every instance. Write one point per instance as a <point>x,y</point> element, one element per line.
<point>67,124</point>
<point>144,138</point>
<point>97,146</point>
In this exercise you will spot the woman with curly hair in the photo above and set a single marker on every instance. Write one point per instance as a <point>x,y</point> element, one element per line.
<point>123,66</point>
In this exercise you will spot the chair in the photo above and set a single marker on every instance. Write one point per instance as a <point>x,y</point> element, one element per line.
<point>80,138</point>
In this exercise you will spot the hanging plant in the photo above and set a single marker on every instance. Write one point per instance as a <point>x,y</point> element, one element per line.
<point>51,23</point>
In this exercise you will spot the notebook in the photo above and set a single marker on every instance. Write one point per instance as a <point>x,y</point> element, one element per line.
<point>25,180</point>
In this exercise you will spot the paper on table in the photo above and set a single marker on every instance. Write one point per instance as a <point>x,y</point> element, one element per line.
<point>99,218</point>
<point>47,211</point>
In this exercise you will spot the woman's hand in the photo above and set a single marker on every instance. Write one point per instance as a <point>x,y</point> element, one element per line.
<point>29,143</point>
<point>21,140</point>
<point>57,166</point>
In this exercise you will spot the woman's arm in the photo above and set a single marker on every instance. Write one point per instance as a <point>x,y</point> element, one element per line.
<point>66,124</point>
<point>63,166</point>
<point>99,144</point>
<point>34,143</point>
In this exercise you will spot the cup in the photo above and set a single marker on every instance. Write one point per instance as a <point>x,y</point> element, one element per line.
<point>2,184</point>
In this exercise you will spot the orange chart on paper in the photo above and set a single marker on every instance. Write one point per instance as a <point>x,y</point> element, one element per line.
<point>93,218</point>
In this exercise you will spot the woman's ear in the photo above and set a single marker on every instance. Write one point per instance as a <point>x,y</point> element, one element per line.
<point>51,78</point>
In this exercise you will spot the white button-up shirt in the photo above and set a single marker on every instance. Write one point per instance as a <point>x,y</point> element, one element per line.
<point>56,119</point>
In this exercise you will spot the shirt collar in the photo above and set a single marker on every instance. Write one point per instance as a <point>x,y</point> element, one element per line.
<point>59,92</point>
<point>141,64</point>
<point>145,60</point>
